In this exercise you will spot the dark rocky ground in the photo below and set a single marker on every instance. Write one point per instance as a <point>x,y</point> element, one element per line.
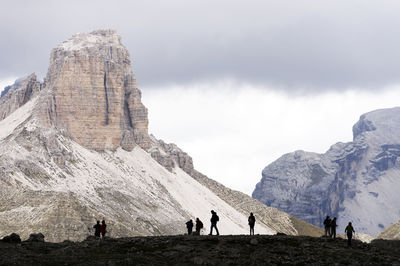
<point>202,250</point>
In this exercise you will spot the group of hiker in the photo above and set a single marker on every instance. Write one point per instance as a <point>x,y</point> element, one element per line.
<point>189,226</point>
<point>329,224</point>
<point>330,229</point>
<point>214,220</point>
<point>100,229</point>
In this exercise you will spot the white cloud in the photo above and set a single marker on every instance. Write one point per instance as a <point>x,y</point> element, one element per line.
<point>233,131</point>
<point>5,82</point>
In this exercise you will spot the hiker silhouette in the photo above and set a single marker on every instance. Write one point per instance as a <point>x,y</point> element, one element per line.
<point>333,228</point>
<point>97,229</point>
<point>252,221</point>
<point>199,225</point>
<point>189,226</point>
<point>349,230</point>
<point>103,228</point>
<point>327,224</point>
<point>214,219</point>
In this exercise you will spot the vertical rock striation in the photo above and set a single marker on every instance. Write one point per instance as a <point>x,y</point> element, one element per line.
<point>94,94</point>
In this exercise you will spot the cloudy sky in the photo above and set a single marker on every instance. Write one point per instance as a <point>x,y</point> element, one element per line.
<point>236,84</point>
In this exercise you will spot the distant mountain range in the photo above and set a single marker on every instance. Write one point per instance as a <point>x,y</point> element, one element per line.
<point>357,181</point>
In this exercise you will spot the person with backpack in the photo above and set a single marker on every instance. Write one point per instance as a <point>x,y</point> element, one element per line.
<point>103,227</point>
<point>199,225</point>
<point>333,228</point>
<point>97,229</point>
<point>214,219</point>
<point>349,230</point>
<point>189,226</point>
<point>252,221</point>
<point>327,224</point>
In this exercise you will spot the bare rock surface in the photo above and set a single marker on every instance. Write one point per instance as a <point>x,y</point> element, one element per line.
<point>16,95</point>
<point>93,94</point>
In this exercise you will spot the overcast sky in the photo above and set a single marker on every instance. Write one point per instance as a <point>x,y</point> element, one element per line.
<point>235,83</point>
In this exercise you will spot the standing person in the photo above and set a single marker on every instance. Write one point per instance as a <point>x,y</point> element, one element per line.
<point>214,219</point>
<point>199,225</point>
<point>349,230</point>
<point>103,227</point>
<point>97,229</point>
<point>333,228</point>
<point>189,226</point>
<point>252,221</point>
<point>327,224</point>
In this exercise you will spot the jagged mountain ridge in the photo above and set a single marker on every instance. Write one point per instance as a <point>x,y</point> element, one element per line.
<point>77,149</point>
<point>356,181</point>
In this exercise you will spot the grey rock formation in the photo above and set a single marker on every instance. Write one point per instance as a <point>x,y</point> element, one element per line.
<point>353,181</point>
<point>93,94</point>
<point>18,94</point>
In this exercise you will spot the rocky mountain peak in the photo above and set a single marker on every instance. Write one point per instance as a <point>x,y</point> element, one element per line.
<point>93,94</point>
<point>385,121</point>
<point>97,38</point>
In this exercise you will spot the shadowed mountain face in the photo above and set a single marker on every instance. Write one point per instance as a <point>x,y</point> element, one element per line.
<point>356,181</point>
<point>75,149</point>
<point>203,250</point>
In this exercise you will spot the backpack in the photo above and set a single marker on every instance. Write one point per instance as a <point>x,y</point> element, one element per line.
<point>200,225</point>
<point>216,218</point>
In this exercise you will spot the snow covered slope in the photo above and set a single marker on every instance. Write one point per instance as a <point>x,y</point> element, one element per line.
<point>134,193</point>
<point>356,181</point>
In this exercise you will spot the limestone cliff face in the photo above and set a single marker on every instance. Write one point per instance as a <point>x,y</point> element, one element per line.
<point>16,95</point>
<point>94,94</point>
<point>356,181</point>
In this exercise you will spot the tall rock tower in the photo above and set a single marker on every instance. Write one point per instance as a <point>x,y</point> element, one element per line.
<point>94,94</point>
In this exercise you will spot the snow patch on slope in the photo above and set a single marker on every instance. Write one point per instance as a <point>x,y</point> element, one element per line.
<point>8,125</point>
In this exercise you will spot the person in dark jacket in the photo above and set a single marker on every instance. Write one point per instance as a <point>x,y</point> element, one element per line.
<point>327,225</point>
<point>103,228</point>
<point>199,225</point>
<point>349,231</point>
<point>97,229</point>
<point>214,219</point>
<point>189,226</point>
<point>252,222</point>
<point>333,228</point>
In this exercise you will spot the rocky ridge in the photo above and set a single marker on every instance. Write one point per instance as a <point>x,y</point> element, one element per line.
<point>203,250</point>
<point>353,181</point>
<point>16,95</point>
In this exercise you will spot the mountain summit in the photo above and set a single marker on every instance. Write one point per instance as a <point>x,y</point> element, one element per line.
<point>75,148</point>
<point>356,181</point>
